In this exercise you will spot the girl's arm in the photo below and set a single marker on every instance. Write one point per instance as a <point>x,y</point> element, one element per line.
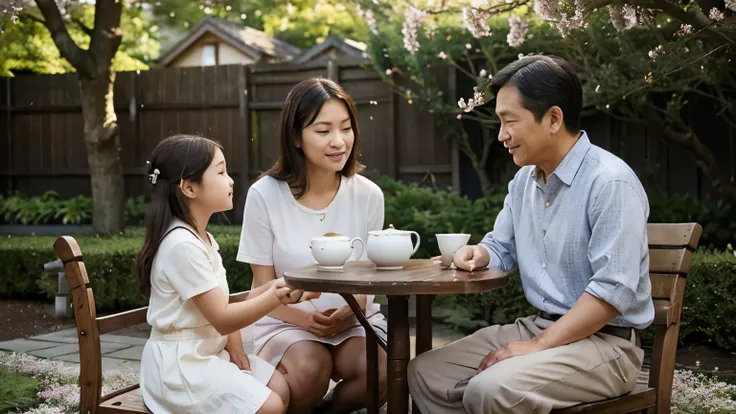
<point>227,317</point>
<point>265,275</point>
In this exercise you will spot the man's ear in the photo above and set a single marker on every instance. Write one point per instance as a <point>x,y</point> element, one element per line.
<point>187,188</point>
<point>556,119</point>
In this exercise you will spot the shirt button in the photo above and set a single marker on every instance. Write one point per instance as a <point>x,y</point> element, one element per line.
<point>546,204</point>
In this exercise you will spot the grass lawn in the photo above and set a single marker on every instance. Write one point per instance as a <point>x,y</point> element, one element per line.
<point>17,391</point>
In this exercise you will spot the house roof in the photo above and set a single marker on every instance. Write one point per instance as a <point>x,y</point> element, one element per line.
<point>252,42</point>
<point>347,46</point>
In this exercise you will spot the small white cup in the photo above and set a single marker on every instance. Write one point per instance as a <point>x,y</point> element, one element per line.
<point>333,251</point>
<point>449,243</point>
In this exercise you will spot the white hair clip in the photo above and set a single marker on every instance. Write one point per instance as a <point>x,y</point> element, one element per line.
<point>154,177</point>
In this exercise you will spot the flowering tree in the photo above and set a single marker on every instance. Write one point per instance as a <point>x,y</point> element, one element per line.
<point>642,61</point>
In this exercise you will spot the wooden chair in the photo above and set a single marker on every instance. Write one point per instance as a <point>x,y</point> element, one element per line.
<point>89,328</point>
<point>671,249</point>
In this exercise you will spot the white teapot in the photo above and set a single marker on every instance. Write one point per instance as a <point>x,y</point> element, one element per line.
<point>391,249</point>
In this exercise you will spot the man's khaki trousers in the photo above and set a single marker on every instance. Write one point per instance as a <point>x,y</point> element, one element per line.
<point>445,380</point>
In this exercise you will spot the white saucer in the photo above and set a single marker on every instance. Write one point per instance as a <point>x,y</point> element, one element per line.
<point>389,267</point>
<point>330,268</point>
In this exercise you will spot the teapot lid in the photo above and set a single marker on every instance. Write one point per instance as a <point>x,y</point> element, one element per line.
<point>390,231</point>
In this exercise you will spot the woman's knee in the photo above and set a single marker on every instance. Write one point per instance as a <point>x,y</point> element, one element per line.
<point>272,405</point>
<point>309,368</point>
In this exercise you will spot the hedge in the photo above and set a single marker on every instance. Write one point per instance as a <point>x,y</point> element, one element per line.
<point>710,297</point>
<point>109,262</point>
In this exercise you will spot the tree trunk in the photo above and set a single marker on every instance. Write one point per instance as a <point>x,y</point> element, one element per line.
<point>103,153</point>
<point>96,81</point>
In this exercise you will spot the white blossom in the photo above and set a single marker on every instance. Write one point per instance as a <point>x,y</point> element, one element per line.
<point>518,33</point>
<point>547,9</point>
<point>482,73</point>
<point>370,19</point>
<point>731,5</point>
<point>477,100</point>
<point>413,18</point>
<point>685,29</point>
<point>442,55</point>
<point>476,21</point>
<point>623,17</point>
<point>716,14</point>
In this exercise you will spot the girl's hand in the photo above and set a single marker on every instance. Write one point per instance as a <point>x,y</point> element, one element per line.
<point>234,347</point>
<point>288,295</point>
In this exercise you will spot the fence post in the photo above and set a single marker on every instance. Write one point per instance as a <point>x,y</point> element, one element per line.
<point>245,133</point>
<point>62,304</point>
<point>9,133</point>
<point>333,71</point>
<point>455,155</point>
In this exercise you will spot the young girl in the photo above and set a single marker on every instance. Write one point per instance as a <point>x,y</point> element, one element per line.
<point>184,368</point>
<point>313,189</point>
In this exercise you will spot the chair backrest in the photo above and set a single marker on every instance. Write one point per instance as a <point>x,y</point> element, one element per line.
<point>90,327</point>
<point>671,248</point>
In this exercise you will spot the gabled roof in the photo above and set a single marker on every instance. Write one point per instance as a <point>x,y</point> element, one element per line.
<point>347,46</point>
<point>252,42</point>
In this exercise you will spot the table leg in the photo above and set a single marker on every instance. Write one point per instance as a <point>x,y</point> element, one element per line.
<point>350,299</point>
<point>424,323</point>
<point>398,354</point>
<point>372,340</point>
<point>424,330</point>
<point>373,396</point>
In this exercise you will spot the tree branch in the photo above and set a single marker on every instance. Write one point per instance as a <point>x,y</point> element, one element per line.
<point>86,29</point>
<point>68,49</point>
<point>106,35</point>
<point>29,16</point>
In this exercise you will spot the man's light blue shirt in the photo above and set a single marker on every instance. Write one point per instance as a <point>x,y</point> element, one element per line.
<point>585,230</point>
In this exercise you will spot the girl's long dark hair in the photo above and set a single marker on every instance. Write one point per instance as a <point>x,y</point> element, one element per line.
<point>300,110</point>
<point>179,157</point>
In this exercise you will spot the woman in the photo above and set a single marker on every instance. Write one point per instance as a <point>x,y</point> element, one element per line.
<point>314,188</point>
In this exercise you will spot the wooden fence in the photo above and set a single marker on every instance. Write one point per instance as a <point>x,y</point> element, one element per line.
<point>42,130</point>
<point>42,146</point>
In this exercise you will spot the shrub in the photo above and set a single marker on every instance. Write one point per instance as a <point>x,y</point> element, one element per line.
<point>109,262</point>
<point>48,208</point>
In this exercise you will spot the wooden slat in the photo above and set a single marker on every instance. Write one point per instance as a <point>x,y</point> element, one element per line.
<point>665,313</point>
<point>674,234</point>
<point>641,398</point>
<point>670,261</point>
<point>121,320</point>
<point>128,403</point>
<point>663,285</point>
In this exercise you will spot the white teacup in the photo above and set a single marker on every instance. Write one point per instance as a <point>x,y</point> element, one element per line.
<point>449,243</point>
<point>334,251</point>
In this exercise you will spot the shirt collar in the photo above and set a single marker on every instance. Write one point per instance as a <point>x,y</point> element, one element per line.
<point>570,165</point>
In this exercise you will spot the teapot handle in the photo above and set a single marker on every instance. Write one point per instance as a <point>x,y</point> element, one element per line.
<point>362,246</point>
<point>416,247</point>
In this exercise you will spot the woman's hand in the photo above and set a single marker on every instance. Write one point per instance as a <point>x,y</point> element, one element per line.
<point>318,324</point>
<point>335,321</point>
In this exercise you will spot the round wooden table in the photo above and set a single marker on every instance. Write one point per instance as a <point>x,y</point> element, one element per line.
<point>423,278</point>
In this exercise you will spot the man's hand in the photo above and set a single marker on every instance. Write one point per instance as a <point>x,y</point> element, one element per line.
<point>512,349</point>
<point>470,258</point>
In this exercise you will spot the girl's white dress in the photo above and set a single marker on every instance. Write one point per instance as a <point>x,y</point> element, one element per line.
<point>184,367</point>
<point>277,231</point>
